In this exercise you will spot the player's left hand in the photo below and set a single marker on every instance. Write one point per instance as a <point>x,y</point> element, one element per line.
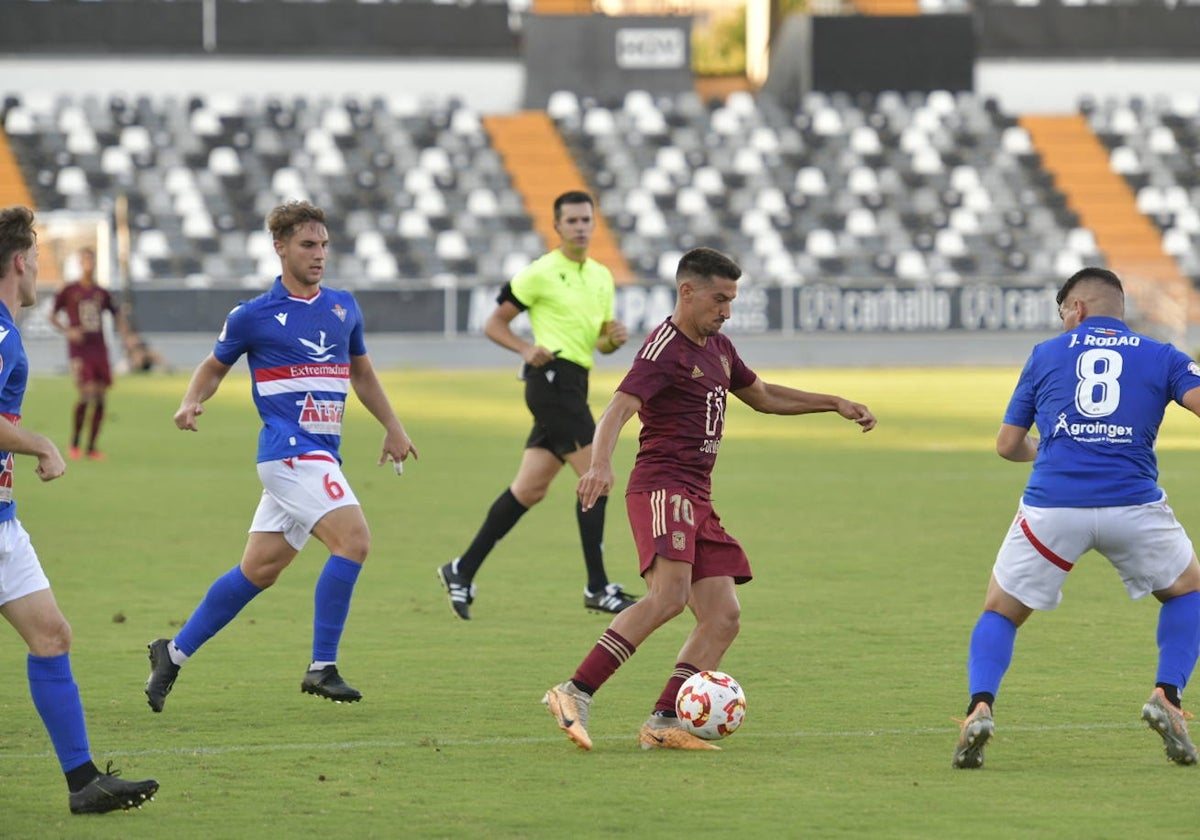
<point>857,412</point>
<point>396,448</point>
<point>51,465</point>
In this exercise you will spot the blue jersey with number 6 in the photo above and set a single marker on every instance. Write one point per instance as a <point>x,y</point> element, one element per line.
<point>299,351</point>
<point>1098,394</point>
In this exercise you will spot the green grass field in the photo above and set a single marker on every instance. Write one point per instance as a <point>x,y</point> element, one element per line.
<point>871,554</point>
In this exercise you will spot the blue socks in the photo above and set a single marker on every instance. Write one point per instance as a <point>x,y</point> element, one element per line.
<point>332,605</point>
<point>225,599</point>
<point>1178,639</point>
<point>56,698</point>
<point>233,590</point>
<point>991,653</point>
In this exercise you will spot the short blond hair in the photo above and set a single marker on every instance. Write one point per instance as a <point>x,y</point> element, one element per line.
<point>284,220</point>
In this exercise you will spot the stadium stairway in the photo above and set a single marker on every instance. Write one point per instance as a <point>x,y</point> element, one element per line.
<point>892,8</point>
<point>14,190</point>
<point>541,169</point>
<point>1104,202</point>
<point>562,7</point>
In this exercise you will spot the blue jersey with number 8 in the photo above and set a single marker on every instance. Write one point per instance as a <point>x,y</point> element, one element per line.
<point>1097,395</point>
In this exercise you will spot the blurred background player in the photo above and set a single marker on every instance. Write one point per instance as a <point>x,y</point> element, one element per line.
<point>78,314</point>
<point>304,344</point>
<point>1098,393</point>
<point>569,298</point>
<point>678,386</point>
<point>26,600</point>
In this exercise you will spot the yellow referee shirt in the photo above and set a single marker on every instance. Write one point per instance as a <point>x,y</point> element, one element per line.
<point>567,302</point>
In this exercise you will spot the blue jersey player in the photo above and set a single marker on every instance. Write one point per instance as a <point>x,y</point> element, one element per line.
<point>26,600</point>
<point>304,345</point>
<point>1097,394</point>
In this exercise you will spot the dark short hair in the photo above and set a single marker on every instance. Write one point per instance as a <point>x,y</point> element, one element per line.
<point>704,264</point>
<point>286,218</point>
<point>16,234</point>
<point>572,197</point>
<point>1105,276</point>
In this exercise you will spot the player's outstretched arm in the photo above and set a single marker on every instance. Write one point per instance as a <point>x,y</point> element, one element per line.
<point>396,444</point>
<point>205,380</point>
<point>779,399</point>
<point>598,480</point>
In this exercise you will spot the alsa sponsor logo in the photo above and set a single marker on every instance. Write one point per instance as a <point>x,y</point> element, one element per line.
<point>321,417</point>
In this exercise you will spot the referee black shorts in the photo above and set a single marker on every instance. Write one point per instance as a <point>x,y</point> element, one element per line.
<point>557,396</point>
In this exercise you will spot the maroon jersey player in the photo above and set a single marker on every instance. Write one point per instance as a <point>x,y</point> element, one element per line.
<point>678,387</point>
<point>78,314</point>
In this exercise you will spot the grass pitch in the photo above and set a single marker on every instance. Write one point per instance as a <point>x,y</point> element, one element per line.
<point>871,553</point>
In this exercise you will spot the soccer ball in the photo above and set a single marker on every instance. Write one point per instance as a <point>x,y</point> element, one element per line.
<point>710,705</point>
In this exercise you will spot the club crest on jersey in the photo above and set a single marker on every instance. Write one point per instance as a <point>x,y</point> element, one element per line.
<point>318,351</point>
<point>725,365</point>
<point>678,540</point>
<point>321,417</point>
<point>339,311</point>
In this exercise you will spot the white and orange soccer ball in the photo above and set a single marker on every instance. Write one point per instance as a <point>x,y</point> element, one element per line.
<point>711,705</point>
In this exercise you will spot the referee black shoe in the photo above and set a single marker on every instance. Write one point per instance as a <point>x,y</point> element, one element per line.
<point>459,589</point>
<point>328,683</point>
<point>162,674</point>
<point>107,793</point>
<point>612,599</point>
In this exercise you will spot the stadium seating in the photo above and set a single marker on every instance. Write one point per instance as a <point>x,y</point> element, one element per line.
<point>1155,146</point>
<point>870,189</point>
<point>921,187</point>
<point>412,188</point>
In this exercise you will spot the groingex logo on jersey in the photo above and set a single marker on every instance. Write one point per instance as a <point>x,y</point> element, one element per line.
<point>1093,431</point>
<point>321,417</point>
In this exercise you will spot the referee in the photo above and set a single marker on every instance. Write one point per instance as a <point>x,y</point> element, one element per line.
<point>569,298</point>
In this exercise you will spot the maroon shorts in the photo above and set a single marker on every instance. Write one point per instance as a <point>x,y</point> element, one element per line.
<point>89,364</point>
<point>676,525</point>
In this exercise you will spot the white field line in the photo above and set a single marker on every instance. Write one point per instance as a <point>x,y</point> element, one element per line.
<point>425,743</point>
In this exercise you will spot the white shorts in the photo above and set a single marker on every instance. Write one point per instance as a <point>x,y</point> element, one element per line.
<point>20,570</point>
<point>1145,544</point>
<point>297,492</point>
